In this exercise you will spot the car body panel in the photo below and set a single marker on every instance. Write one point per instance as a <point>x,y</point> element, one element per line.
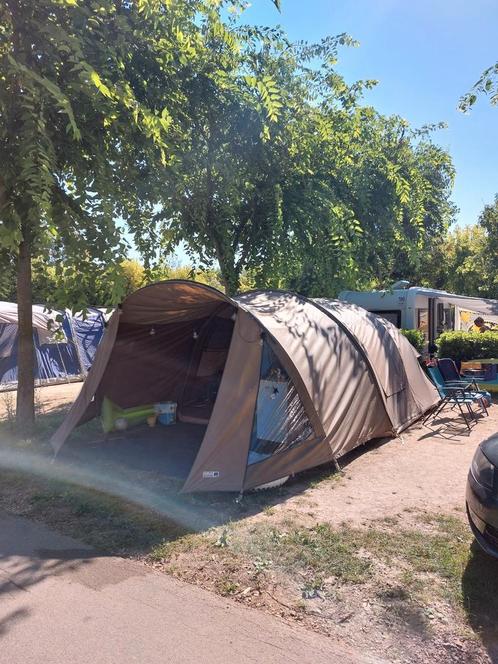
<point>482,506</point>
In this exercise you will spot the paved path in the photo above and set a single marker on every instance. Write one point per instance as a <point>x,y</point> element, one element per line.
<point>63,603</point>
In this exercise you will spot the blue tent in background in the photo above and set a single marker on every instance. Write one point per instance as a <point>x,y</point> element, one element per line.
<point>86,334</point>
<point>64,350</point>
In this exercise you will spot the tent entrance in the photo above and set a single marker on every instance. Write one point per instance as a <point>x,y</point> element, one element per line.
<point>205,371</point>
<point>181,361</point>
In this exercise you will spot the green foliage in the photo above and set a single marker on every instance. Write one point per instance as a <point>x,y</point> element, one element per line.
<point>416,338</point>
<point>317,553</point>
<point>220,204</point>
<point>134,275</point>
<point>487,84</point>
<point>464,260</point>
<point>99,288</point>
<point>94,101</point>
<point>468,345</point>
<point>7,276</point>
<point>459,263</point>
<point>209,277</point>
<point>286,175</point>
<point>94,98</point>
<point>389,199</point>
<point>488,224</point>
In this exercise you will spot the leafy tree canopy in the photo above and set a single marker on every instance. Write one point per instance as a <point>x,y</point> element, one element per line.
<point>93,99</point>
<point>486,85</point>
<point>464,260</point>
<point>284,173</point>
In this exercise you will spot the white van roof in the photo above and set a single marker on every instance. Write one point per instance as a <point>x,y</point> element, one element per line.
<point>479,305</point>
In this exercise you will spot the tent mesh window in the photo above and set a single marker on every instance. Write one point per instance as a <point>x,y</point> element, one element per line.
<point>280,421</point>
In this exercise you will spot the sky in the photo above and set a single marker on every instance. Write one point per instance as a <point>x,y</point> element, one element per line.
<point>425,54</point>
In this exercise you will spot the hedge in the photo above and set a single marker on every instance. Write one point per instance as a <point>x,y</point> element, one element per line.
<point>461,346</point>
<point>416,338</point>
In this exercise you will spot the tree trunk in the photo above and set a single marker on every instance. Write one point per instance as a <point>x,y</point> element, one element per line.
<point>230,277</point>
<point>230,285</point>
<point>25,413</point>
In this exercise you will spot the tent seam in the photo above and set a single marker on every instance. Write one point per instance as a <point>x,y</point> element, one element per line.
<point>360,347</point>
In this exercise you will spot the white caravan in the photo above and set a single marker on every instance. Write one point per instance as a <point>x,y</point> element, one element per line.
<point>425,309</point>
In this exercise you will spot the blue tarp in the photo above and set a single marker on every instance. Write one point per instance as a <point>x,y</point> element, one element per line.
<point>87,335</point>
<point>56,361</point>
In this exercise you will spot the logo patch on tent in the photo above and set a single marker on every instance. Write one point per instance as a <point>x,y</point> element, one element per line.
<point>209,474</point>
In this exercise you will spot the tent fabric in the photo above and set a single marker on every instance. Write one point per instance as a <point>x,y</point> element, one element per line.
<point>334,372</point>
<point>8,338</point>
<point>221,461</point>
<point>43,320</point>
<point>84,407</point>
<point>392,358</point>
<point>339,377</point>
<point>162,303</point>
<point>63,350</point>
<point>54,361</point>
<point>86,331</point>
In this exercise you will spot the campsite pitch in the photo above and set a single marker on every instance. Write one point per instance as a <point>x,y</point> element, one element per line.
<point>379,556</point>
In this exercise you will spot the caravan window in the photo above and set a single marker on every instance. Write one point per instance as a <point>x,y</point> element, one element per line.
<point>393,316</point>
<point>445,317</point>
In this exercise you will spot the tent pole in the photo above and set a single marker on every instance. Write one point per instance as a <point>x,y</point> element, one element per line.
<point>62,362</point>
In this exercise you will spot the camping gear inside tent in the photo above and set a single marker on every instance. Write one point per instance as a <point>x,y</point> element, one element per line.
<point>64,350</point>
<point>267,384</point>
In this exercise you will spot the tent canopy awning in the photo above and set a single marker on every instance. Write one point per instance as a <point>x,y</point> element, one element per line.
<point>480,305</point>
<point>43,319</point>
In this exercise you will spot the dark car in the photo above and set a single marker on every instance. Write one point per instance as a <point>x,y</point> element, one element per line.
<point>482,495</point>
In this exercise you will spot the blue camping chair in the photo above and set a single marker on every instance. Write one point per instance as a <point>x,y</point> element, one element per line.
<point>449,371</point>
<point>456,397</point>
<point>452,377</point>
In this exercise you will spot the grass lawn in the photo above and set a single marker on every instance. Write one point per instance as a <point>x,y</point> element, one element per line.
<point>425,583</point>
<point>412,586</point>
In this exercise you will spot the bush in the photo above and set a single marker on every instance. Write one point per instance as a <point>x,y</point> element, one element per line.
<point>416,338</point>
<point>462,346</point>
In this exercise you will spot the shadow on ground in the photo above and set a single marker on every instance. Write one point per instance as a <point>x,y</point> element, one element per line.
<point>480,597</point>
<point>147,467</point>
<point>23,565</point>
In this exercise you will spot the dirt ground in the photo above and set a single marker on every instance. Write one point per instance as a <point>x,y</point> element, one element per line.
<point>49,398</point>
<point>424,469</point>
<point>417,589</point>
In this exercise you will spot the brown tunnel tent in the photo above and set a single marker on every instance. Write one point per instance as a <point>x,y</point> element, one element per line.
<point>267,384</point>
